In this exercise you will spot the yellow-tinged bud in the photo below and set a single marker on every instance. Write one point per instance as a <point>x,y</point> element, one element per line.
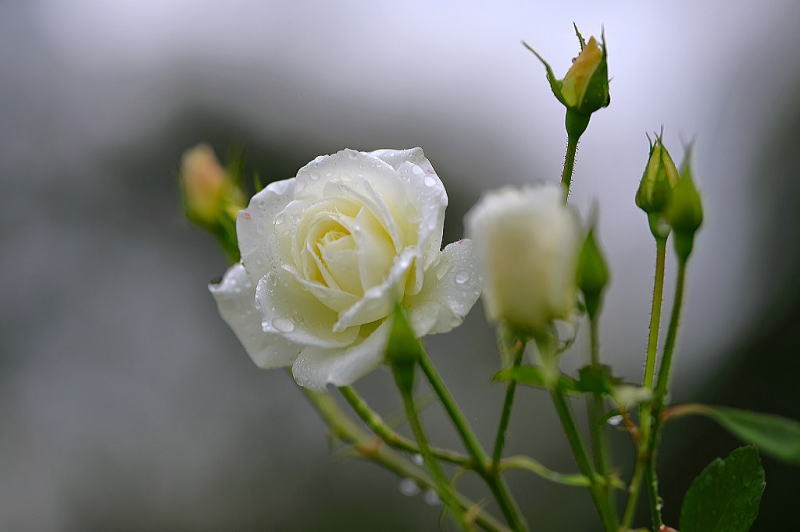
<point>212,196</point>
<point>659,178</point>
<point>574,84</point>
<point>584,88</point>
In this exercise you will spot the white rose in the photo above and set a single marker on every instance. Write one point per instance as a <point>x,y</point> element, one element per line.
<point>527,243</point>
<point>327,255</point>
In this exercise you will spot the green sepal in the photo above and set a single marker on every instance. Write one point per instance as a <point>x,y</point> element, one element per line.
<point>726,495</point>
<point>555,84</point>
<point>403,350</point>
<point>581,40</point>
<point>597,379</point>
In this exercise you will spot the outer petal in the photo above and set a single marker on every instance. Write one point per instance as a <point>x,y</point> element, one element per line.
<point>235,296</point>
<point>316,367</point>
<point>255,227</point>
<point>291,311</point>
<point>452,286</point>
<point>426,192</point>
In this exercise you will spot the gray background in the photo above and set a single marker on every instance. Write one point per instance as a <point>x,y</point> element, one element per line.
<point>126,403</point>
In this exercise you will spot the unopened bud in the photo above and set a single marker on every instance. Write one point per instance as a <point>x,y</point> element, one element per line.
<point>592,274</point>
<point>659,178</point>
<point>685,210</point>
<point>584,88</point>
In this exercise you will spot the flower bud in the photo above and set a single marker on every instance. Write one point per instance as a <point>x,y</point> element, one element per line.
<point>584,88</point>
<point>211,196</point>
<point>658,180</point>
<point>592,276</point>
<point>684,212</point>
<point>527,244</point>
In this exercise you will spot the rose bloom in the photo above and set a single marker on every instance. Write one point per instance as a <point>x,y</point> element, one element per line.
<point>328,254</point>
<point>527,243</point>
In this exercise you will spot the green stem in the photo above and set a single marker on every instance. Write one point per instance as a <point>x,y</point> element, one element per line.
<point>569,163</point>
<point>582,457</point>
<point>442,485</point>
<point>595,408</point>
<point>645,413</point>
<point>508,402</point>
<point>374,421</point>
<point>363,445</point>
<point>495,481</point>
<point>660,396</point>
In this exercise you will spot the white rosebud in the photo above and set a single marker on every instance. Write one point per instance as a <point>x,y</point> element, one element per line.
<point>527,243</point>
<point>329,254</point>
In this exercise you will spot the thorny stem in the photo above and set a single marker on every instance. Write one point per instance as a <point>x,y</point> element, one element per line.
<point>662,388</point>
<point>494,480</point>
<point>602,459</point>
<point>443,487</point>
<point>500,440</point>
<point>645,413</point>
<point>569,164</point>
<point>364,447</point>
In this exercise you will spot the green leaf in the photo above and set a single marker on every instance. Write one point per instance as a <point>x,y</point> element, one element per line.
<point>774,435</point>
<point>534,376</point>
<point>725,495</point>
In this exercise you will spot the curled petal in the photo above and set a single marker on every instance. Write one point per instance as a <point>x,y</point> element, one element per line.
<point>235,296</point>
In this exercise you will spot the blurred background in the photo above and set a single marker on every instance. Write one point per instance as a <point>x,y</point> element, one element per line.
<point>125,401</point>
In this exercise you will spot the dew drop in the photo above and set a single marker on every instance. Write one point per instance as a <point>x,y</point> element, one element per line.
<point>352,155</point>
<point>432,498</point>
<point>417,170</point>
<point>314,177</point>
<point>408,487</point>
<point>417,459</point>
<point>462,277</point>
<point>283,324</point>
<point>615,420</point>
<point>429,181</point>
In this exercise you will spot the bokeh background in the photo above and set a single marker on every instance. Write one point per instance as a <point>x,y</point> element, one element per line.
<point>127,404</point>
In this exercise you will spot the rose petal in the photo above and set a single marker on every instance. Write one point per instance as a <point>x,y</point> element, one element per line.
<point>235,296</point>
<point>316,367</point>
<point>291,311</point>
<point>255,227</point>
<point>452,286</point>
<point>379,300</point>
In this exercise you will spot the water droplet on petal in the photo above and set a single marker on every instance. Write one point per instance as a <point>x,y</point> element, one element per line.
<point>429,181</point>
<point>462,277</point>
<point>314,177</point>
<point>417,459</point>
<point>283,324</point>
<point>352,155</point>
<point>615,420</point>
<point>432,498</point>
<point>417,170</point>
<point>408,487</point>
